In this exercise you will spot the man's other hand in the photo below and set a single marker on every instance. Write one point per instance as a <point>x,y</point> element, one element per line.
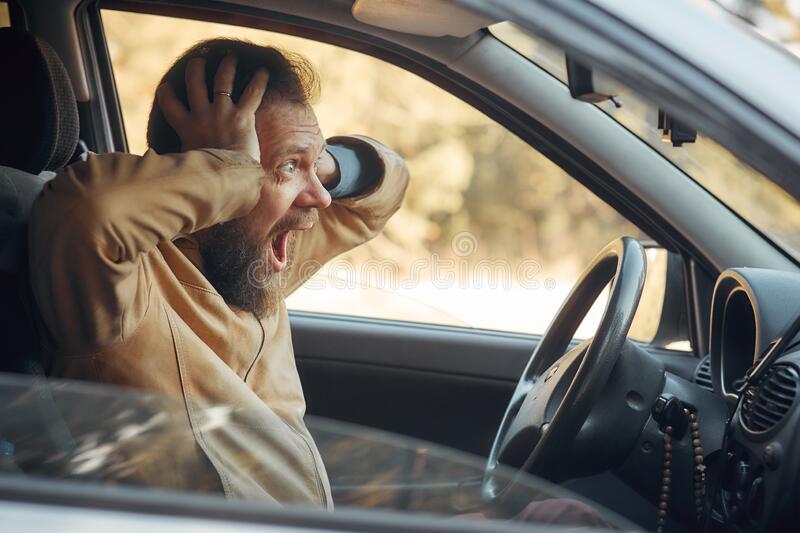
<point>327,170</point>
<point>220,123</point>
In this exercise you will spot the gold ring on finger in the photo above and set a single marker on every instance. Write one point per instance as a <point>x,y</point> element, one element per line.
<point>223,93</point>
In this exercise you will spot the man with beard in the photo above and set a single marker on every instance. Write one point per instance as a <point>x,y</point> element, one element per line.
<point>167,272</point>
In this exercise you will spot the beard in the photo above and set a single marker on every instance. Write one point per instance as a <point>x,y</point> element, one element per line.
<point>239,270</point>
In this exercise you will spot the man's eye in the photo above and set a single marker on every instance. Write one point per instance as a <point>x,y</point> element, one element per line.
<point>289,167</point>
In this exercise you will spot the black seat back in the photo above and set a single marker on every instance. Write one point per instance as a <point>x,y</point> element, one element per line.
<point>39,129</point>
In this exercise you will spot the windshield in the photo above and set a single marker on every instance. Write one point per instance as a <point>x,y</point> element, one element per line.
<point>778,21</point>
<point>100,434</point>
<point>750,194</point>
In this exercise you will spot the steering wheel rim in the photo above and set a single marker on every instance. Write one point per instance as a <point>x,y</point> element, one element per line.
<point>584,370</point>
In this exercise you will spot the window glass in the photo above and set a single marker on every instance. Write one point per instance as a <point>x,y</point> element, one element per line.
<point>136,441</point>
<point>5,18</point>
<point>777,20</point>
<point>746,191</point>
<point>491,234</point>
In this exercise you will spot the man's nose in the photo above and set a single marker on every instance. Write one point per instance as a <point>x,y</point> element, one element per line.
<point>314,195</point>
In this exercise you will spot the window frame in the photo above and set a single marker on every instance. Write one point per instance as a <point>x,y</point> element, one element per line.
<point>573,162</point>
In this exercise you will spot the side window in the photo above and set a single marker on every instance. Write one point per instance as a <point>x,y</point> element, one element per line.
<point>491,234</point>
<point>5,17</point>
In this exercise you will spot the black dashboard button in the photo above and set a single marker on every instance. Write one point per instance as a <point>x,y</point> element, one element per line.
<point>773,455</point>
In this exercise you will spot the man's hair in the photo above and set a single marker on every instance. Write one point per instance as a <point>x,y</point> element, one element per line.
<point>292,78</point>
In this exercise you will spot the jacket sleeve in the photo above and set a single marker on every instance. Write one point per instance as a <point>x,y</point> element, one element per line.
<point>351,221</point>
<point>94,224</point>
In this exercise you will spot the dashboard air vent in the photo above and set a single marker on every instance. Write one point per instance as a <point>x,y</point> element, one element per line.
<point>702,374</point>
<point>767,402</point>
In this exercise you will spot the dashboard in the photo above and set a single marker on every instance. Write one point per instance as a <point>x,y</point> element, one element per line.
<point>757,488</point>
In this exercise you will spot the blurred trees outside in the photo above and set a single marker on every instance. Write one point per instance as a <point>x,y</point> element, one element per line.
<point>5,20</point>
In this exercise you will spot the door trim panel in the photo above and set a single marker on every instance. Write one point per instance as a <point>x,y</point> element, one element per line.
<point>432,348</point>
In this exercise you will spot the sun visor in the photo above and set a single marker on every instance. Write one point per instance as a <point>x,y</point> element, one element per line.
<point>431,18</point>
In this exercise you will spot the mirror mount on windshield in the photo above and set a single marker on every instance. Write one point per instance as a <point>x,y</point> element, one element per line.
<point>674,131</point>
<point>581,84</point>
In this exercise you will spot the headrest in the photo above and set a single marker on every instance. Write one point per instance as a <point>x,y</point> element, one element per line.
<point>38,115</point>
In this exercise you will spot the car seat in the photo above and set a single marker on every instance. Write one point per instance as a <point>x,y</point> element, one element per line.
<point>39,130</point>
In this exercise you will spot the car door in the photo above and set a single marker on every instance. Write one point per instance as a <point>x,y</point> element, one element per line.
<point>425,330</point>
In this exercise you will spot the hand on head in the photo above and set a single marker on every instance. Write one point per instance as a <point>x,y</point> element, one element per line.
<point>220,123</point>
<point>327,170</point>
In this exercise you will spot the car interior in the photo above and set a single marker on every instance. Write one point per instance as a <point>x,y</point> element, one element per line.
<point>730,291</point>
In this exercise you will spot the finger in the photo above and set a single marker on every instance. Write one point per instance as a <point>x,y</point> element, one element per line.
<point>171,106</point>
<point>196,84</point>
<point>223,80</point>
<point>254,92</point>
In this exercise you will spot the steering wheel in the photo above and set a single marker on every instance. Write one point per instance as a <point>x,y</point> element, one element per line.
<point>558,388</point>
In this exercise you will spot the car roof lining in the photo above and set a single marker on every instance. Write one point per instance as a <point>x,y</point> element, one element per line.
<point>434,18</point>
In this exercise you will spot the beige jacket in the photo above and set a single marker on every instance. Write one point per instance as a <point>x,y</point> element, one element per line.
<point>123,300</point>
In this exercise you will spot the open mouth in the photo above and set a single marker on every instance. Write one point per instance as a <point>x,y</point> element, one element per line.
<point>278,251</point>
<point>279,247</point>
<point>278,255</point>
